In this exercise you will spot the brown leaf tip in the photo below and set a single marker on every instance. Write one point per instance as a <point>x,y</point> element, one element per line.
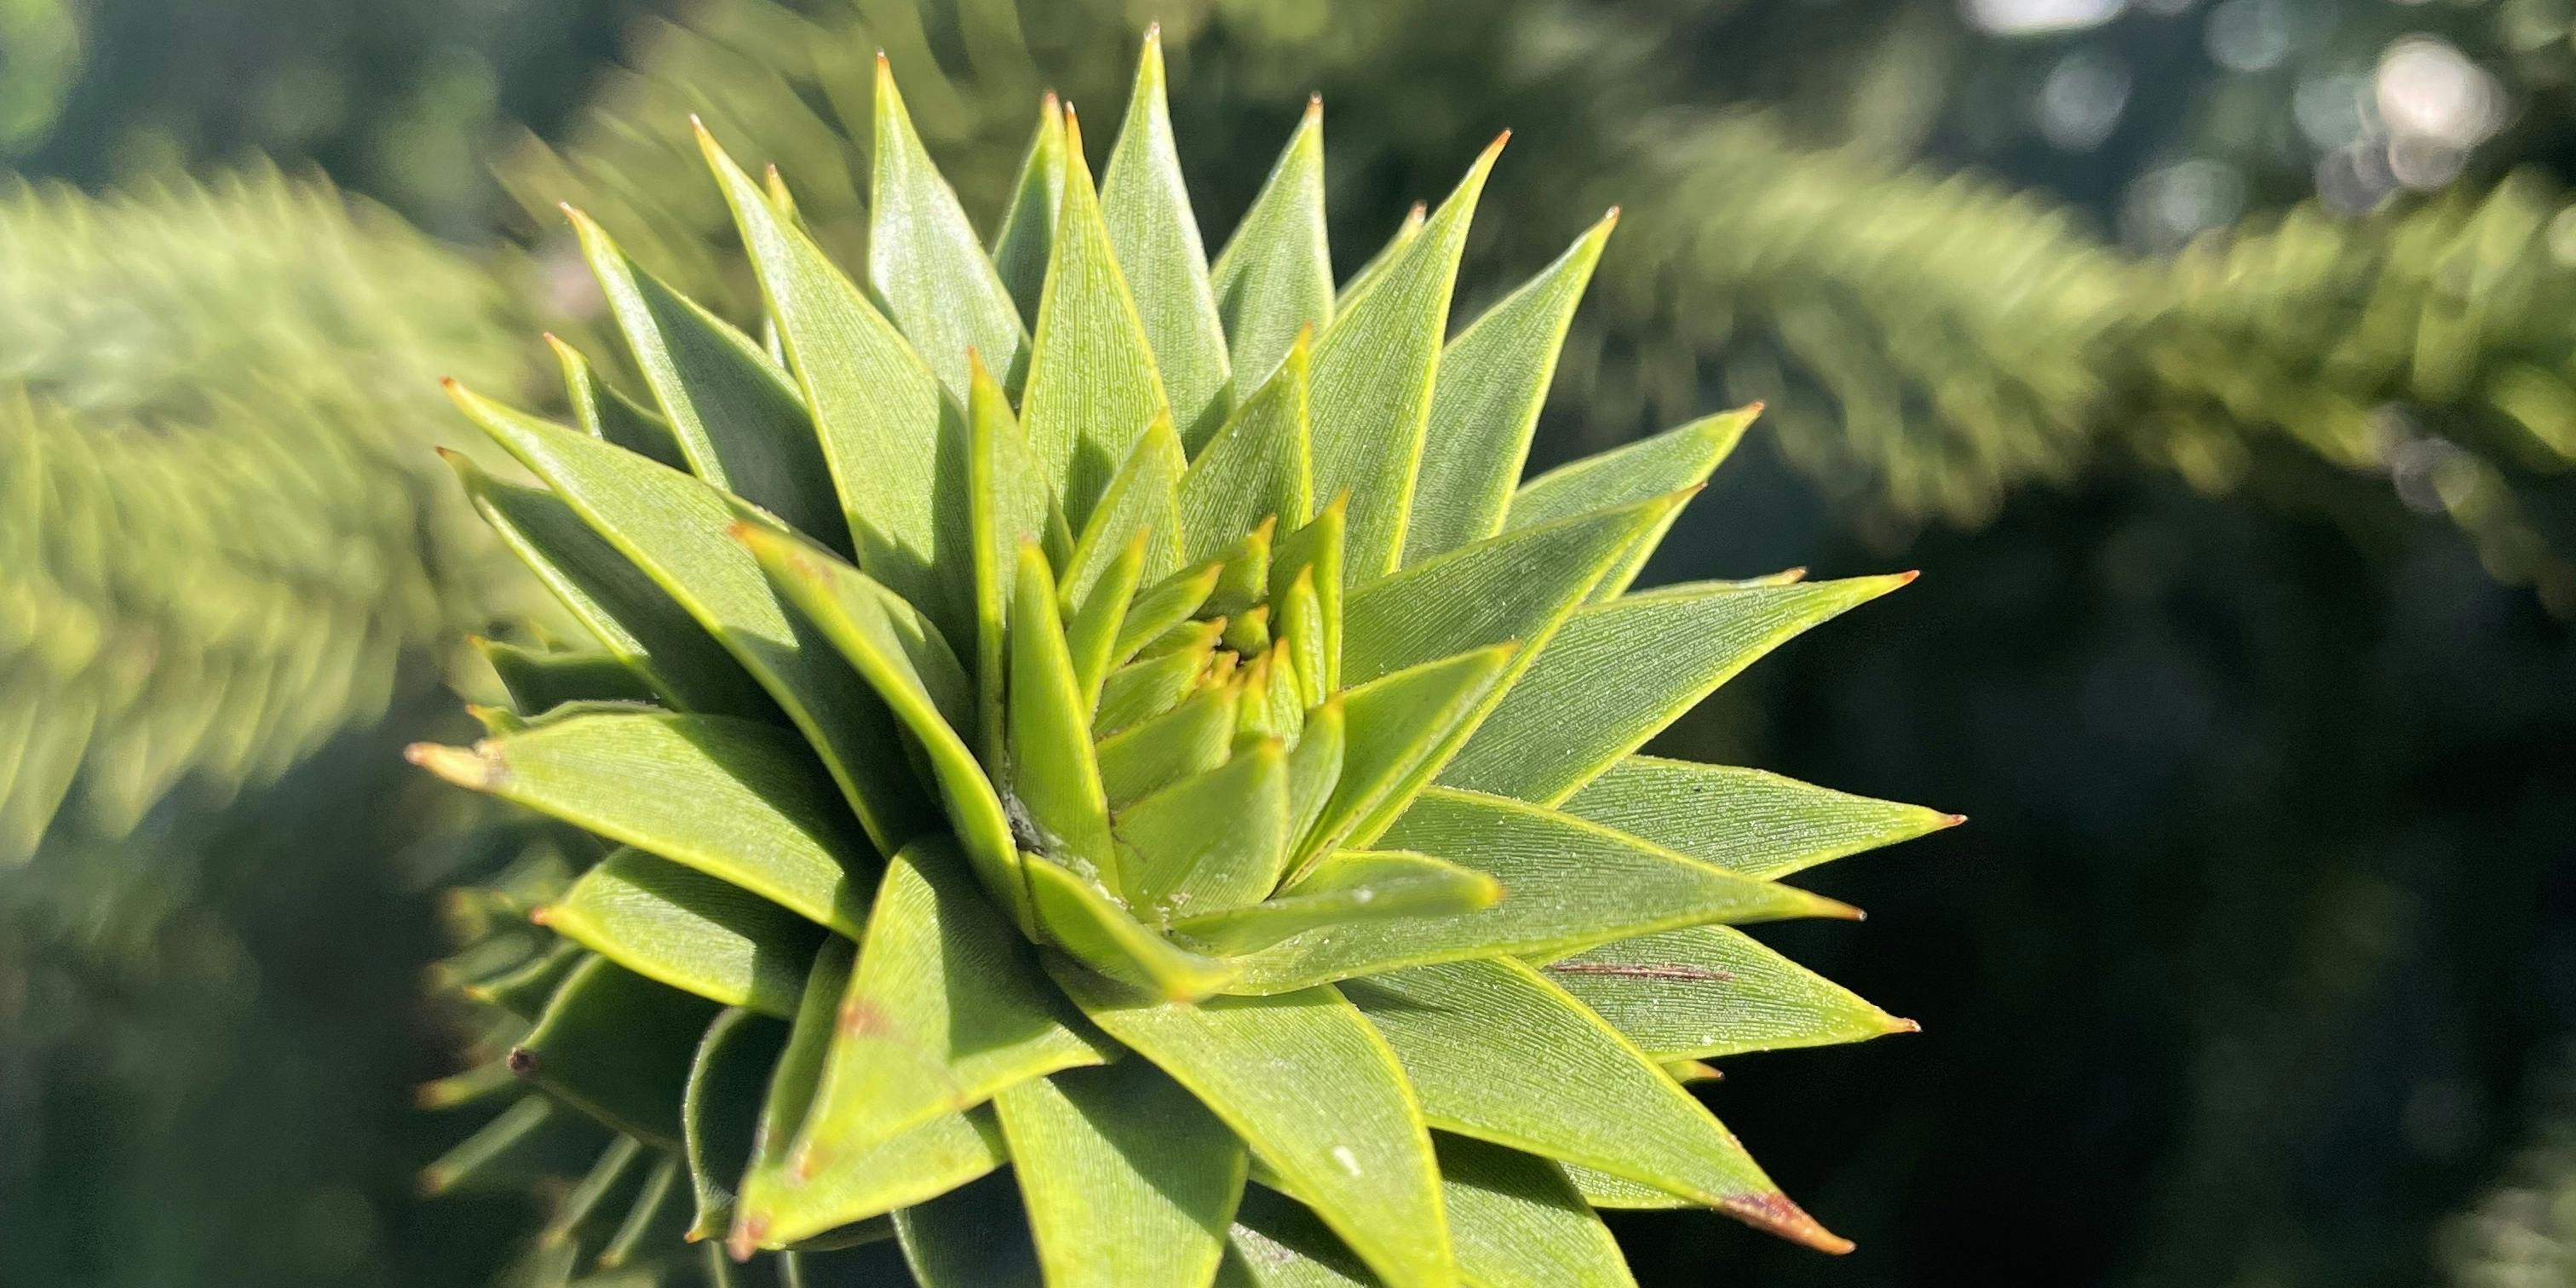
<point>1906,578</point>
<point>522,1062</point>
<point>1772,1210</point>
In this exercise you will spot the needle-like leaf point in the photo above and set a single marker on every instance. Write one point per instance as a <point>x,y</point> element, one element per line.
<point>1146,206</point>
<point>1274,281</point>
<point>924,263</point>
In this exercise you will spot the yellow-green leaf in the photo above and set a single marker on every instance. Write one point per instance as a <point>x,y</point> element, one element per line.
<point>1681,457</point>
<point>1274,280</point>
<point>1312,1088</point>
<point>1256,467</point>
<point>1191,738</point>
<point>1128,1181</point>
<point>1707,991</point>
<point>1097,931</point>
<point>1617,673</point>
<point>616,1046</point>
<point>1745,820</point>
<point>733,799</point>
<point>924,262</point>
<point>1142,499</point>
<point>1093,386</point>
<point>1346,888</point>
<point>1493,380</point>
<point>1373,374</point>
<point>1054,778</point>
<point>694,932</point>
<point>677,530</point>
<point>1394,725</point>
<point>892,443</point>
<point>1027,234</point>
<point>1215,840</point>
<point>737,417</point>
<point>1010,506</point>
<point>945,1008</point>
<point>1499,1053</point>
<point>1146,206</point>
<point>604,413</point>
<point>1518,1223</point>
<point>720,1110</point>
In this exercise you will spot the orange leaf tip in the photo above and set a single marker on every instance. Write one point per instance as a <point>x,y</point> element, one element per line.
<point>1773,1211</point>
<point>473,767</point>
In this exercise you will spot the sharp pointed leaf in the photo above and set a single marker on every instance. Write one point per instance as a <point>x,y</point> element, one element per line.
<point>892,444</point>
<point>1346,888</point>
<point>1146,207</point>
<point>1191,738</point>
<point>1317,547</point>
<point>1096,930</point>
<point>1677,458</point>
<point>1092,626</point>
<point>631,616</point>
<point>1617,673</point>
<point>696,933</point>
<point>733,799</point>
<point>604,413</point>
<point>1274,280</point>
<point>1093,387</point>
<point>1373,374</point>
<point>542,682</point>
<point>1174,601</point>
<point>1744,820</point>
<point>1706,991</point>
<point>616,1046</point>
<point>1027,235</point>
<point>1129,1182</point>
<point>679,531</point>
<point>1311,1088</point>
<point>1566,884</point>
<point>1216,840</point>
<point>1143,499</point>
<point>1054,778</point>
<point>1395,724</point>
<point>1148,687</point>
<point>1493,380</point>
<point>1499,1053</point>
<point>945,1008</point>
<point>1010,507</point>
<point>1407,231</point>
<point>909,664</point>
<point>737,416</point>
<point>923,260</point>
<point>1256,467</point>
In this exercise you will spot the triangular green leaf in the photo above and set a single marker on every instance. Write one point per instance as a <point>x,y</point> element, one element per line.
<point>1317,546</point>
<point>737,416</point>
<point>1093,387</point>
<point>677,530</point>
<point>1142,498</point>
<point>945,1008</point>
<point>1407,231</point>
<point>1347,887</point>
<point>1617,673</point>
<point>976,1236</point>
<point>1373,374</point>
<point>696,933</point>
<point>616,1046</point>
<point>1216,840</point>
<point>1097,931</point>
<point>1129,1182</point>
<point>1027,235</point>
<point>1146,206</point>
<point>1010,506</point>
<point>1055,781</point>
<point>1677,458</point>
<point>893,445</point>
<point>733,799</point>
<point>1311,1087</point>
<point>911,667</point>
<point>542,682</point>
<point>1499,1053</point>
<point>1707,991</point>
<point>604,591</point>
<point>1745,820</point>
<point>1150,686</point>
<point>1174,601</point>
<point>1274,280</point>
<point>1191,738</point>
<point>1255,468</point>
<point>1566,884</point>
<point>1493,380</point>
<point>924,263</point>
<point>1395,725</point>
<point>604,413</point>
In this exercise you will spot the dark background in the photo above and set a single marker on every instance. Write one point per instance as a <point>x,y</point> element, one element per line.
<point>2257,965</point>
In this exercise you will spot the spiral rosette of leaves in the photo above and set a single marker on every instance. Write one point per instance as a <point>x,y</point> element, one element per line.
<point>1111,781</point>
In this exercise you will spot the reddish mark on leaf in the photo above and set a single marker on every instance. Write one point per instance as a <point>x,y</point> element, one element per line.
<point>523,1062</point>
<point>1773,1211</point>
<point>860,1018</point>
<point>1672,972</point>
<point>746,1237</point>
